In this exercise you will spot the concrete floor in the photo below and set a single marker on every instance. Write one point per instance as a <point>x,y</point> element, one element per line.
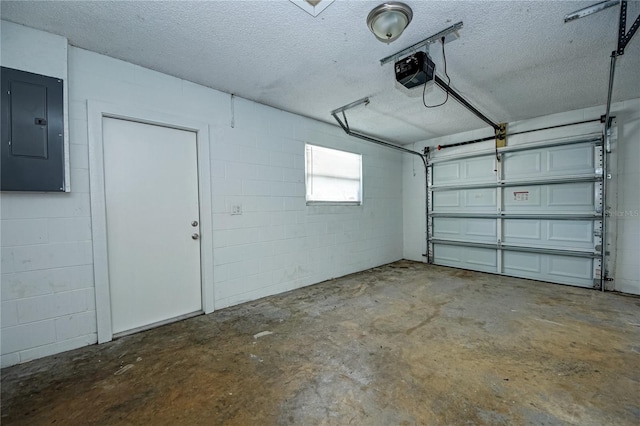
<point>402,344</point>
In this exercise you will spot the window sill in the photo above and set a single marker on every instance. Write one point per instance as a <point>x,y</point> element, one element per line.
<point>334,203</point>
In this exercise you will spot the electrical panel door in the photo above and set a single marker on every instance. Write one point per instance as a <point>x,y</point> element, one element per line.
<point>32,132</point>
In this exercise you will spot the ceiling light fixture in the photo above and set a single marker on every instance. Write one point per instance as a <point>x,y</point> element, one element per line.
<point>388,20</point>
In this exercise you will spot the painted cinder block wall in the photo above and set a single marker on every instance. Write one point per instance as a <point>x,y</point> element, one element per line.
<point>277,244</point>
<point>623,190</point>
<point>48,302</point>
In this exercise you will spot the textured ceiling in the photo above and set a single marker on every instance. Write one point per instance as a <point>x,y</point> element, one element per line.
<point>514,60</point>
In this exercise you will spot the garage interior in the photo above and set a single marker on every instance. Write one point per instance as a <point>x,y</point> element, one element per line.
<point>320,212</point>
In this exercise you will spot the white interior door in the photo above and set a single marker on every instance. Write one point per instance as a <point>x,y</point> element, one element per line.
<point>151,192</point>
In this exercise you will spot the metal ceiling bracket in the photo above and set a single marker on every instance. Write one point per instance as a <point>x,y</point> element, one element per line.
<point>624,36</point>
<point>501,136</point>
<point>351,105</point>
<point>447,33</point>
<point>590,10</point>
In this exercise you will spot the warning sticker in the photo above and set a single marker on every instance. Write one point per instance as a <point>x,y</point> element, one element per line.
<point>521,195</point>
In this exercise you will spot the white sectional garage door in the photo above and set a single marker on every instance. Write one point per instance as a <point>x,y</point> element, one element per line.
<point>536,213</point>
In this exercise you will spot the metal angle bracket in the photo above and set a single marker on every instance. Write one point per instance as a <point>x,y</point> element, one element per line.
<point>597,284</point>
<point>501,135</point>
<point>426,152</point>
<point>624,36</point>
<point>590,10</point>
<point>449,34</point>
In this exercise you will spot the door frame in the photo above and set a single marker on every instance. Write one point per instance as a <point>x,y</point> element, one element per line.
<point>96,111</point>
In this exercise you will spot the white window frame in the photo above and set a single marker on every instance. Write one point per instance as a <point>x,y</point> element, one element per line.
<point>309,174</point>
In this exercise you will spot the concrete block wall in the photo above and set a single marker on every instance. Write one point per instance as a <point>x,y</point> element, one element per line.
<point>48,305</point>
<point>623,191</point>
<point>277,244</point>
<point>625,214</point>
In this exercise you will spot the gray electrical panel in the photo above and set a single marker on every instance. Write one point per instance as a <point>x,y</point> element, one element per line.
<point>32,144</point>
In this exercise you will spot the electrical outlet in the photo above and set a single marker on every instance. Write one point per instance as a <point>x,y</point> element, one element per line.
<point>236,209</point>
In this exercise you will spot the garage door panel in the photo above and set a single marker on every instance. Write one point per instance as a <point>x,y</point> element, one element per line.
<point>444,174</point>
<point>522,198</point>
<point>485,229</point>
<point>521,165</point>
<point>574,195</point>
<point>477,259</point>
<point>572,267</point>
<point>461,229</point>
<point>448,255</point>
<point>559,161</point>
<point>474,170</point>
<point>516,263</point>
<point>445,227</point>
<point>576,159</point>
<point>534,217</point>
<point>554,234</point>
<point>482,258</point>
<point>565,197</point>
<point>447,201</point>
<point>482,200</point>
<point>521,231</point>
<point>559,269</point>
<point>570,233</point>
<point>480,169</point>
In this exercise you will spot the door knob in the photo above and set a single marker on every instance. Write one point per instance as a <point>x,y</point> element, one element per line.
<point>195,236</point>
<point>194,223</point>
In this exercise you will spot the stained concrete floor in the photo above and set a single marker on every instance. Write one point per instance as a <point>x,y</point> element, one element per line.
<point>402,344</point>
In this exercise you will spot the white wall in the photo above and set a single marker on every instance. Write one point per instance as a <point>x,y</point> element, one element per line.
<point>47,299</point>
<point>277,244</point>
<point>625,214</point>
<point>623,192</point>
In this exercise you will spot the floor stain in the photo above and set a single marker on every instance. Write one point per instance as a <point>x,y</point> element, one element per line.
<point>406,344</point>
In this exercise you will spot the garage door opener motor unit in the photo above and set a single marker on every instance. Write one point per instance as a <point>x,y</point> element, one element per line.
<point>415,70</point>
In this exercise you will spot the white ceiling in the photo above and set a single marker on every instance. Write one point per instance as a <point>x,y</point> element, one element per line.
<point>514,60</point>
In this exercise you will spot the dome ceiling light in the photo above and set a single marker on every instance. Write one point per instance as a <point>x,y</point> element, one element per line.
<point>388,20</point>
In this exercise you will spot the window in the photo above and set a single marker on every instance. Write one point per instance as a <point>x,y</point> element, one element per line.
<point>333,176</point>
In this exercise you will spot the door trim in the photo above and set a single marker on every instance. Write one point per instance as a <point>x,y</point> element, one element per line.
<point>96,110</point>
